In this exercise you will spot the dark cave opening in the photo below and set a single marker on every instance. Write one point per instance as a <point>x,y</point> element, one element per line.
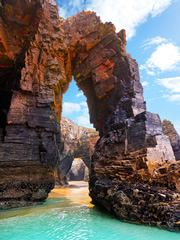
<point>5,100</point>
<point>9,82</point>
<point>10,76</point>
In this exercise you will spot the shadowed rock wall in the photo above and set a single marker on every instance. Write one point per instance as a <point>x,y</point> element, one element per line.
<point>30,105</point>
<point>133,171</point>
<point>170,131</point>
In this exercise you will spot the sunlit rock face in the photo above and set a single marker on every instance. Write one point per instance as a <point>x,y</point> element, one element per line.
<point>133,169</point>
<point>170,131</point>
<point>77,142</point>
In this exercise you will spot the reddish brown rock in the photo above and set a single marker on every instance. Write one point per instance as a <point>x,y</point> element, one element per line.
<point>132,146</point>
<point>30,100</point>
<point>133,171</point>
<point>170,131</point>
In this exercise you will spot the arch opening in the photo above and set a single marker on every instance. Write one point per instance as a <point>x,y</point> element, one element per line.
<point>79,171</point>
<point>74,106</point>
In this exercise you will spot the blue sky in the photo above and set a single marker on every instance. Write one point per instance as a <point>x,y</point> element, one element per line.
<point>153,36</point>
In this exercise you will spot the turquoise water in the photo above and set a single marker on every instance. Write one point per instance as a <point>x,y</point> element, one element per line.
<point>61,217</point>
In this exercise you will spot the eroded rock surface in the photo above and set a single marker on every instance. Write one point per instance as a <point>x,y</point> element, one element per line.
<point>79,171</point>
<point>133,169</point>
<point>170,131</point>
<point>30,100</point>
<point>77,142</point>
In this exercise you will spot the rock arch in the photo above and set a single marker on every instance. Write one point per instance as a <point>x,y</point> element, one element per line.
<point>78,142</point>
<point>131,158</point>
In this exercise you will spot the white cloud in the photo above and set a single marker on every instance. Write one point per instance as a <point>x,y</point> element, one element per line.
<point>154,41</point>
<point>71,7</point>
<point>79,94</point>
<point>151,73</point>
<point>172,84</point>
<point>83,120</point>
<point>162,91</point>
<point>159,6</point>
<point>76,3</point>
<point>128,14</point>
<point>165,57</point>
<point>86,111</point>
<point>124,14</point>
<point>173,87</point>
<point>144,84</point>
<point>84,104</point>
<point>69,108</point>
<point>62,12</point>
<point>174,98</point>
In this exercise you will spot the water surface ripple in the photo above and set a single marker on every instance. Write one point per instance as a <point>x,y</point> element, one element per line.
<point>68,215</point>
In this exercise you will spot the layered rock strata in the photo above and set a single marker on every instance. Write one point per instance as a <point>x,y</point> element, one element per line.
<point>170,131</point>
<point>133,169</point>
<point>30,100</point>
<point>77,142</point>
<point>132,146</point>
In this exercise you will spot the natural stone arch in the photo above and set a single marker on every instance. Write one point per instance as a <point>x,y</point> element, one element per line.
<point>131,149</point>
<point>109,78</point>
<point>79,171</point>
<point>101,67</point>
<point>77,142</point>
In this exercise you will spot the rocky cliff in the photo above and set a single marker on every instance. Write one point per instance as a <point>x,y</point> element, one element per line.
<point>29,100</point>
<point>170,131</point>
<point>77,142</point>
<point>133,169</point>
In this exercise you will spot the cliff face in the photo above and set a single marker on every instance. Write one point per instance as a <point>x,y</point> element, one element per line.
<point>30,100</point>
<point>133,169</point>
<point>78,142</point>
<point>170,131</point>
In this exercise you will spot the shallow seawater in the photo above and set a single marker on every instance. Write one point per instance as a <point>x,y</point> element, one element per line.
<point>68,214</point>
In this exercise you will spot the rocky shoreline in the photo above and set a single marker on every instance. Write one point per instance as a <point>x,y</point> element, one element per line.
<point>134,173</point>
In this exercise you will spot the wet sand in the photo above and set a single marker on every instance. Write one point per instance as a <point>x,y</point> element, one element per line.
<point>76,191</point>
